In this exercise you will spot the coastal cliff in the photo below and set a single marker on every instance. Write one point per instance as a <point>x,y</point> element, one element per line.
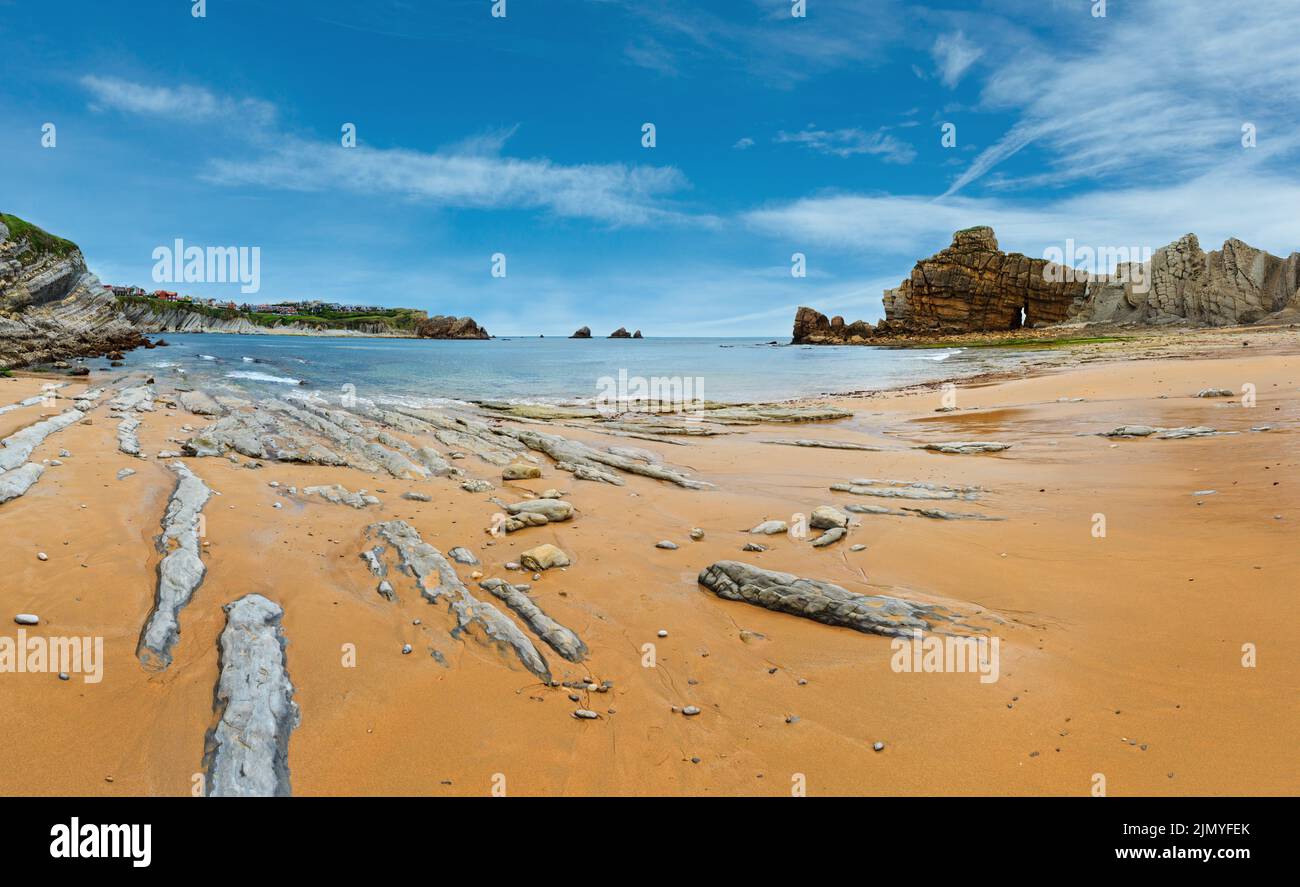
<point>52,308</point>
<point>974,287</point>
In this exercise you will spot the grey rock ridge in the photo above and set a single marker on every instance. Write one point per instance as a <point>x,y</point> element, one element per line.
<point>437,581</point>
<point>51,307</point>
<point>180,572</point>
<point>972,286</point>
<point>817,600</point>
<point>560,639</point>
<point>246,752</point>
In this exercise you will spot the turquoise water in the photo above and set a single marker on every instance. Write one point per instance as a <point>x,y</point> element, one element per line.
<point>555,370</point>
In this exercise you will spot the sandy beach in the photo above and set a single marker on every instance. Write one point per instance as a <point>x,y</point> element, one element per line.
<point>1121,655</point>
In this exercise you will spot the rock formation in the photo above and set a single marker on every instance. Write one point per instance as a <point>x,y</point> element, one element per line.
<point>972,286</point>
<point>582,333</point>
<point>620,333</point>
<point>247,750</point>
<point>51,307</point>
<point>817,600</point>
<point>441,327</point>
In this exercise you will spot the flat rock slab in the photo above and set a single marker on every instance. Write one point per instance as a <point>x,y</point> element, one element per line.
<point>817,600</point>
<point>247,751</point>
<point>966,447</point>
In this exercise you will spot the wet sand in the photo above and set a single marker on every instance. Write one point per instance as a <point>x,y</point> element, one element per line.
<point>1134,636</point>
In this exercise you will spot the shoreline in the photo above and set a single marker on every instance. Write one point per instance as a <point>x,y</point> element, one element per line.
<point>1095,651</point>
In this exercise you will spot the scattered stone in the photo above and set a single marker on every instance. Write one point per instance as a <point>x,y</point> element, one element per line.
<point>520,471</point>
<point>463,556</point>
<point>824,517</point>
<point>691,711</point>
<point>585,714</point>
<point>829,537</point>
<point>770,528</point>
<point>665,544</point>
<point>696,534</point>
<point>544,557</point>
<point>754,546</point>
<point>1214,392</point>
<point>27,619</point>
<point>417,497</point>
<point>125,473</point>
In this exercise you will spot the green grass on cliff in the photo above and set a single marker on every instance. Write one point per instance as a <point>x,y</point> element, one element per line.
<point>41,240</point>
<point>406,319</point>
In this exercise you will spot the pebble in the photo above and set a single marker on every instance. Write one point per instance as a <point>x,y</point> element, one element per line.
<point>878,746</point>
<point>585,714</point>
<point>277,505</point>
<point>691,710</point>
<point>663,632</point>
<point>42,556</point>
<point>512,566</point>
<point>858,547</point>
<point>27,619</point>
<point>696,534</point>
<point>665,544</point>
<point>64,676</point>
<point>406,648</point>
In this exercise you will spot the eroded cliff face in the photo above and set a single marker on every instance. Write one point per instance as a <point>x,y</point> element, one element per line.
<point>51,307</point>
<point>972,286</point>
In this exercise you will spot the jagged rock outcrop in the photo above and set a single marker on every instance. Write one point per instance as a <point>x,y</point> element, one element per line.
<point>582,333</point>
<point>446,327</point>
<point>620,333</point>
<point>51,307</point>
<point>972,286</point>
<point>247,750</point>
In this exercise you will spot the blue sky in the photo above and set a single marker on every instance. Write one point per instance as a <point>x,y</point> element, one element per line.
<point>522,135</point>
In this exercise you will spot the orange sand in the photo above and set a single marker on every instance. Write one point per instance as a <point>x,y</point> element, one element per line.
<point>1134,636</point>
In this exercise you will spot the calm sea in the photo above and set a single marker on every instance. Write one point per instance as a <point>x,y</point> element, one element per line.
<point>550,370</point>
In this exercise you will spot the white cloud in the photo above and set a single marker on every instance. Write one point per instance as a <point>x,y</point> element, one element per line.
<point>848,142</point>
<point>479,179</point>
<point>953,55</point>
<point>1159,90</point>
<point>1239,201</point>
<point>185,104</point>
<point>743,144</point>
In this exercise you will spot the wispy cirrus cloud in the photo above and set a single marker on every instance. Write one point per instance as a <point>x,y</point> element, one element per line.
<point>614,194</point>
<point>184,103</point>
<point>1159,91</point>
<point>953,55</point>
<point>850,142</point>
<point>762,36</point>
<point>470,174</point>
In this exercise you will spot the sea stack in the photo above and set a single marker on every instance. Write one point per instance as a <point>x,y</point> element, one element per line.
<point>582,333</point>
